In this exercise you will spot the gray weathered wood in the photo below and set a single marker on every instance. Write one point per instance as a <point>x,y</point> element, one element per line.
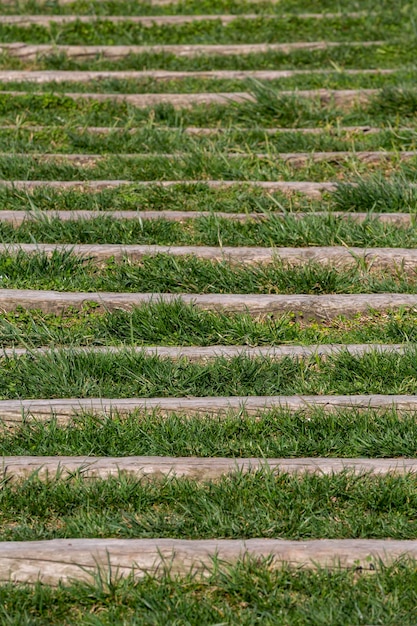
<point>150,20</point>
<point>63,560</point>
<point>336,256</point>
<point>295,159</point>
<point>208,353</point>
<point>313,190</point>
<point>340,97</point>
<point>18,217</point>
<point>31,52</point>
<point>322,307</point>
<point>15,412</point>
<point>60,76</point>
<point>18,467</point>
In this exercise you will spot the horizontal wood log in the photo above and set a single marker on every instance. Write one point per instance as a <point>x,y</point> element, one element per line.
<point>338,97</point>
<point>322,307</point>
<point>202,469</point>
<point>198,130</point>
<point>295,159</point>
<point>208,353</point>
<point>15,412</point>
<point>168,20</point>
<point>31,52</point>
<point>313,190</point>
<point>61,76</point>
<point>65,560</point>
<point>335,256</point>
<point>19,217</point>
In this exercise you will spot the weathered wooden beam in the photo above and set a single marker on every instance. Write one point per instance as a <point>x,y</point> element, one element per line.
<point>169,20</point>
<point>338,97</point>
<point>60,76</point>
<point>31,52</point>
<point>65,560</point>
<point>321,307</point>
<point>19,217</point>
<point>313,190</point>
<point>202,469</point>
<point>295,159</point>
<point>336,256</point>
<point>196,354</point>
<point>15,412</point>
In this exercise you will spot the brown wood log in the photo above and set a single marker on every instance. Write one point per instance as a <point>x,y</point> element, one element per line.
<point>14,412</point>
<point>201,469</point>
<point>19,217</point>
<point>31,52</point>
<point>64,560</point>
<point>324,307</point>
<point>163,20</point>
<point>208,353</point>
<point>339,97</point>
<point>60,76</point>
<point>335,256</point>
<point>313,190</point>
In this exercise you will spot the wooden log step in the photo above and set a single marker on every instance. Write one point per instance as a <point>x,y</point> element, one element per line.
<point>208,353</point>
<point>336,256</point>
<point>57,561</point>
<point>19,217</point>
<point>324,307</point>
<point>295,159</point>
<point>169,20</point>
<point>15,412</point>
<point>60,76</point>
<point>313,190</point>
<point>204,469</point>
<point>337,97</point>
<point>198,130</point>
<point>30,52</point>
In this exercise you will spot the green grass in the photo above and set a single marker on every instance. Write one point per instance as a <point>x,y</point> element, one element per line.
<point>70,374</point>
<point>151,139</point>
<point>214,231</point>
<point>272,434</point>
<point>247,594</point>
<point>186,325</point>
<point>257,504</point>
<point>389,107</point>
<point>166,274</point>
<point>259,30</point>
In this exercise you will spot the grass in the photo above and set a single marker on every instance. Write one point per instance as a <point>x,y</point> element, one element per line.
<point>214,231</point>
<point>249,593</point>
<point>262,29</point>
<point>257,504</point>
<point>151,139</point>
<point>127,374</point>
<point>181,324</point>
<point>389,107</point>
<point>167,274</point>
<point>272,434</point>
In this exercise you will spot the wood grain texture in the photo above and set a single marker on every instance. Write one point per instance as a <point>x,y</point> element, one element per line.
<point>312,190</point>
<point>201,469</point>
<point>339,97</point>
<point>63,560</point>
<point>168,20</point>
<point>335,256</point>
<point>196,354</point>
<point>19,217</point>
<point>324,307</point>
<point>60,76</point>
<point>31,52</point>
<point>15,412</point>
